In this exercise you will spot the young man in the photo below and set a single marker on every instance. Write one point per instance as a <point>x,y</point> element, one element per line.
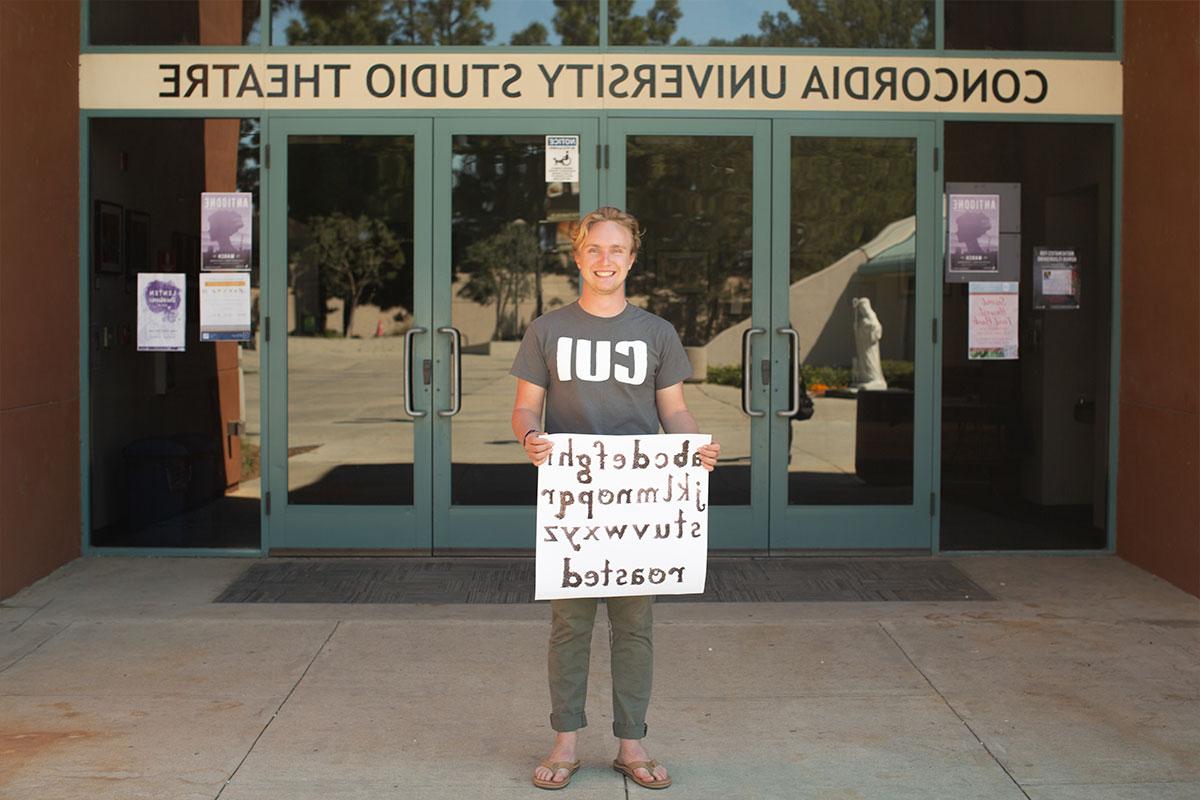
<point>601,366</point>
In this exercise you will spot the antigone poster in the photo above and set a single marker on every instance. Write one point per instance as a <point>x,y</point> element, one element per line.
<point>225,226</point>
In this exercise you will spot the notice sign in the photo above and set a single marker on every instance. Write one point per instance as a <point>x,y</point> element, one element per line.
<point>161,311</point>
<point>992,329</point>
<point>1055,278</point>
<point>622,515</point>
<point>224,306</point>
<point>225,230</point>
<point>562,159</point>
<point>974,228</point>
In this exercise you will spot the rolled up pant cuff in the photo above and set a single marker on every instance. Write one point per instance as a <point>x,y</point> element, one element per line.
<point>565,723</point>
<point>629,730</point>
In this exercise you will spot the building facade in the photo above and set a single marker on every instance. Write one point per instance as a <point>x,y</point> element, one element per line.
<point>932,262</point>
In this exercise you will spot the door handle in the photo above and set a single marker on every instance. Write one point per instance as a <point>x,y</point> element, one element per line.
<point>795,337</point>
<point>408,351</point>
<point>749,334</point>
<point>455,371</point>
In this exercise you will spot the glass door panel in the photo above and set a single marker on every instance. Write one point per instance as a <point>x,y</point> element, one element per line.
<point>504,258</point>
<point>351,313</point>
<point>853,277</point>
<point>700,192</point>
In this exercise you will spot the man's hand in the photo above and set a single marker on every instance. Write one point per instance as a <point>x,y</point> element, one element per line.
<point>538,449</point>
<point>708,455</point>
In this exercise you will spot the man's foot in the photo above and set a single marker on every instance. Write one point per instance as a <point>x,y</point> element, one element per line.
<point>564,752</point>
<point>631,752</point>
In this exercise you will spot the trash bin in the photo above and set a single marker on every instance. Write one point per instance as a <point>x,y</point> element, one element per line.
<point>207,467</point>
<point>158,472</point>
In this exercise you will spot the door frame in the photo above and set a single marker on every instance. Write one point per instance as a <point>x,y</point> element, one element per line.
<point>857,527</point>
<point>483,527</point>
<point>731,528</point>
<point>368,527</point>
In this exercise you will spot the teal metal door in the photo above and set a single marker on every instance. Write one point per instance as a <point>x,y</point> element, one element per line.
<point>854,283</point>
<point>349,331</point>
<point>701,191</point>
<point>502,257</point>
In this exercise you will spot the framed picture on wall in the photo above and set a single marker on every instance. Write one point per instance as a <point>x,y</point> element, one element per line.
<point>137,246</point>
<point>109,238</point>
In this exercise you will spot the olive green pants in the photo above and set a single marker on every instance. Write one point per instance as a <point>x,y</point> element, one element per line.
<point>630,620</point>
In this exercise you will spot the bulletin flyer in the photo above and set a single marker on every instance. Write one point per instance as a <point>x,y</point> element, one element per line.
<point>224,306</point>
<point>562,159</point>
<point>622,516</point>
<point>161,312</point>
<point>225,230</point>
<point>992,323</point>
<point>974,231</point>
<point>1055,278</point>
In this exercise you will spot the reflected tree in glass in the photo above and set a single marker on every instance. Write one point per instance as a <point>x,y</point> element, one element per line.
<point>843,23</point>
<point>434,22</point>
<point>357,255</point>
<point>380,22</point>
<point>501,269</point>
<point>694,196</point>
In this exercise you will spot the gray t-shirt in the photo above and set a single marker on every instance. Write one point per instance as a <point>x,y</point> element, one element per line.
<point>600,373</point>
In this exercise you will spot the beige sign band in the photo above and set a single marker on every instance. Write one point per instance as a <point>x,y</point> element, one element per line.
<point>676,81</point>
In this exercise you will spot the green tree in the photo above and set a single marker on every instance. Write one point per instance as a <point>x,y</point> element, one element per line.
<point>843,23</point>
<point>355,255</point>
<point>500,269</point>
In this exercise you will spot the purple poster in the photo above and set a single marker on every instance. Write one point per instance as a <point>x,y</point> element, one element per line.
<point>161,311</point>
<point>225,230</point>
<point>974,228</point>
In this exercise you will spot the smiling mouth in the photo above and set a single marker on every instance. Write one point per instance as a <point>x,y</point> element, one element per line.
<point>604,273</point>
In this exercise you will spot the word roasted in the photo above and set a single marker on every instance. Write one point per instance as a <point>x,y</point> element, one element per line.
<point>622,515</point>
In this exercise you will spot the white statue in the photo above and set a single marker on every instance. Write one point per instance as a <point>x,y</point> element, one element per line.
<point>868,372</point>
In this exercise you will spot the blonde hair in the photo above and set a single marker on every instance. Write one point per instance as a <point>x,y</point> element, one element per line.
<point>607,214</point>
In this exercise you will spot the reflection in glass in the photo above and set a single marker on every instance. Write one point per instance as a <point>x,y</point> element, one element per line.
<point>380,23</point>
<point>852,298</point>
<point>169,465</point>
<point>772,23</point>
<point>1079,25</point>
<point>511,257</point>
<point>1024,443</point>
<point>350,299</point>
<point>694,198</point>
<point>174,22</point>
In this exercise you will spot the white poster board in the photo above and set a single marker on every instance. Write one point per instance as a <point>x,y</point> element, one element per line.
<point>161,311</point>
<point>622,516</point>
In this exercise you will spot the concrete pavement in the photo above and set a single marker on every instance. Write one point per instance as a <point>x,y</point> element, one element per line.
<point>119,678</point>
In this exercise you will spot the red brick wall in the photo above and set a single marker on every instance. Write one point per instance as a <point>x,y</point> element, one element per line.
<point>1158,484</point>
<point>39,289</point>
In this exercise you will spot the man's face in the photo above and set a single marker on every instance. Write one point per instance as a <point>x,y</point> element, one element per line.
<point>605,257</point>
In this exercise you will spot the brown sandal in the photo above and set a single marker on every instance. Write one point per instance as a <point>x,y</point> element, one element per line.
<point>554,767</point>
<point>629,769</point>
